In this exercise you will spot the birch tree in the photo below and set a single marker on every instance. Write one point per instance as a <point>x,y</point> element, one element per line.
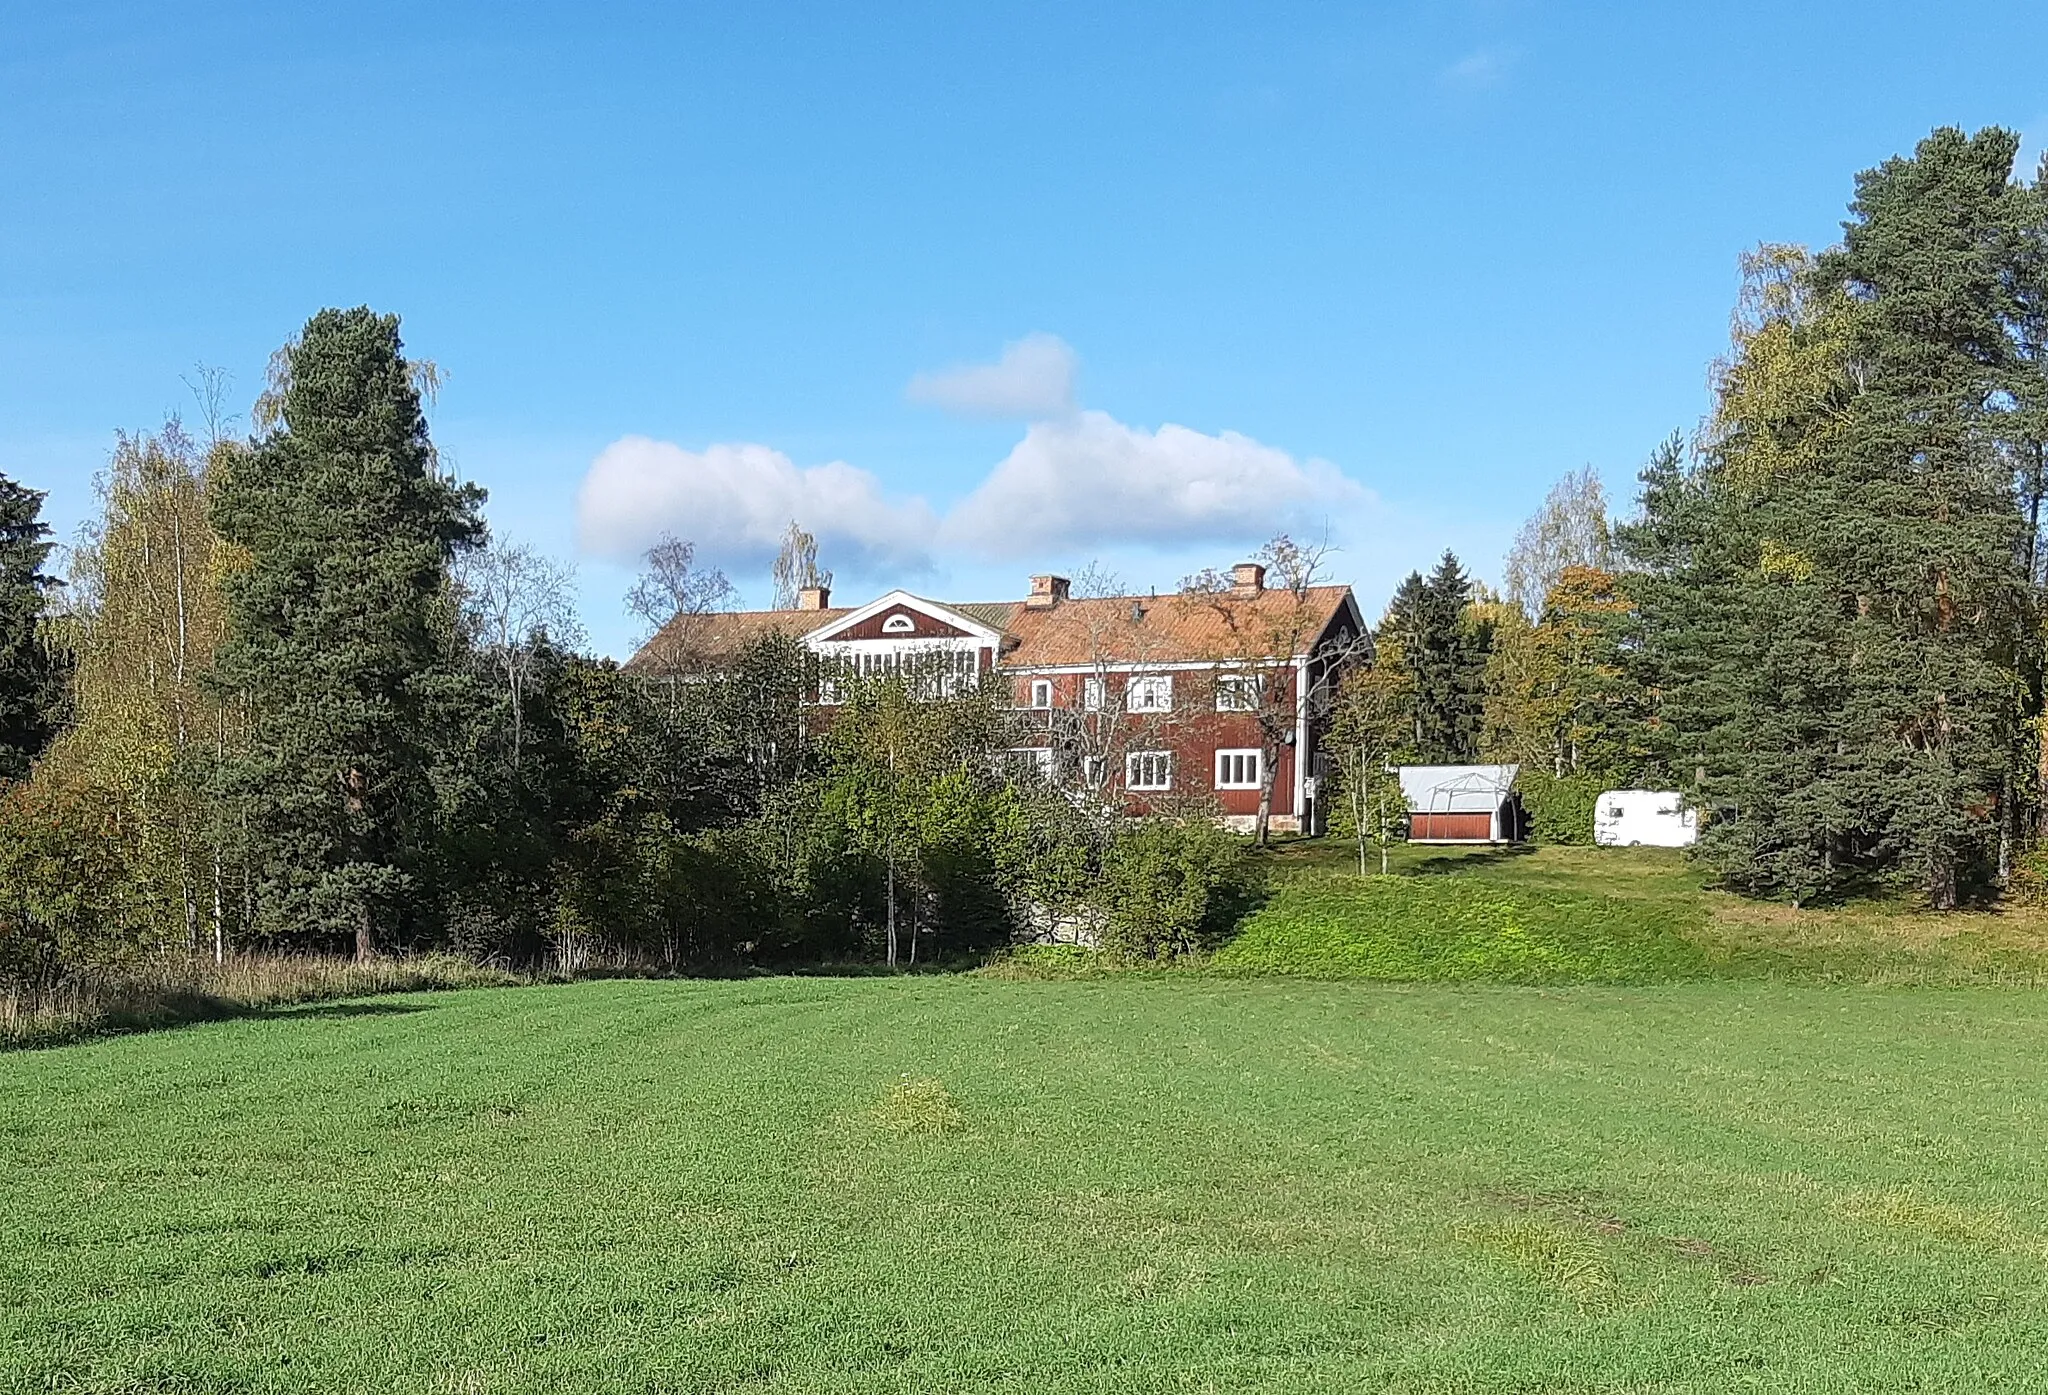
<point>515,603</point>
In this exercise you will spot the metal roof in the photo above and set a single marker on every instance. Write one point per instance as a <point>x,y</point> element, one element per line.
<point>1456,789</point>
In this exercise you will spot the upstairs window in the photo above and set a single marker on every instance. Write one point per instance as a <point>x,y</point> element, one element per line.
<point>899,624</point>
<point>1093,692</point>
<point>1148,770</point>
<point>1041,692</point>
<point>1237,770</point>
<point>1152,692</point>
<point>1238,692</point>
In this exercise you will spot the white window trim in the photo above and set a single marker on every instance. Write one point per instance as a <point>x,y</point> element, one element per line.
<point>1038,686</point>
<point>1094,693</point>
<point>1257,758</point>
<point>1149,683</point>
<point>1041,754</point>
<point>1131,769</point>
<point>899,624</point>
<point>1237,683</point>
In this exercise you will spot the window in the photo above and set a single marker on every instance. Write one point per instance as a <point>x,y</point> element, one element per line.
<point>1237,770</point>
<point>1041,692</point>
<point>1153,692</point>
<point>899,624</point>
<point>1237,692</point>
<point>1148,770</point>
<point>1092,693</point>
<point>1030,763</point>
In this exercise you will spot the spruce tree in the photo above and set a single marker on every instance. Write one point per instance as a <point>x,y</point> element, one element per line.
<point>339,634</point>
<point>1445,651</point>
<point>31,675</point>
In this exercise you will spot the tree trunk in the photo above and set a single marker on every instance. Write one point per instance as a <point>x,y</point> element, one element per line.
<point>220,929</point>
<point>1941,881</point>
<point>1267,754</point>
<point>892,905</point>
<point>365,950</point>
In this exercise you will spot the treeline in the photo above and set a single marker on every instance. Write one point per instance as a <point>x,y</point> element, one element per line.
<point>1824,623</point>
<point>293,698</point>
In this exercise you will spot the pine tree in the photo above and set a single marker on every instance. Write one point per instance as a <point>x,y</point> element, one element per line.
<point>1833,600</point>
<point>31,674</point>
<point>1912,527</point>
<point>339,635</point>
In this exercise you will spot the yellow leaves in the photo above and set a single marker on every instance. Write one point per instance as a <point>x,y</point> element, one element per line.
<point>1781,393</point>
<point>1781,563</point>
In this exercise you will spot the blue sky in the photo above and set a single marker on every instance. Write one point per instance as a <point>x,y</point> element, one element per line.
<point>1381,272</point>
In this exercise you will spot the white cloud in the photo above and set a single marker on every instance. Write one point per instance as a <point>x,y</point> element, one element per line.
<point>1034,378</point>
<point>734,501</point>
<point>1088,478</point>
<point>1483,68</point>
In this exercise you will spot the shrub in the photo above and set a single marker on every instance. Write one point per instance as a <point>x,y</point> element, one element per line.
<point>1455,928</point>
<point>1560,808</point>
<point>67,901</point>
<point>1170,887</point>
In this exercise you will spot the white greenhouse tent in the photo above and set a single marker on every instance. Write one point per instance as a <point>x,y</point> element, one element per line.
<point>1461,803</point>
<point>1644,818</point>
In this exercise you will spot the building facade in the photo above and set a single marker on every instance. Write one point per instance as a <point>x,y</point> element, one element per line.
<point>1202,700</point>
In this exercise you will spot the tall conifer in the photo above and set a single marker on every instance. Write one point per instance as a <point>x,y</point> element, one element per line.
<point>344,529</point>
<point>31,676</point>
<point>1446,652</point>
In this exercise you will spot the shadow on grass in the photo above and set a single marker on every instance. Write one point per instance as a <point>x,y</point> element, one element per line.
<point>170,1011</point>
<point>304,1010</point>
<point>1450,863</point>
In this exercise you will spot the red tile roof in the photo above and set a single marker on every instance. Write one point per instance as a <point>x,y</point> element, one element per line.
<point>1174,628</point>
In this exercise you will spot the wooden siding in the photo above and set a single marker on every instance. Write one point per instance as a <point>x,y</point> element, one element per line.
<point>1465,828</point>
<point>926,627</point>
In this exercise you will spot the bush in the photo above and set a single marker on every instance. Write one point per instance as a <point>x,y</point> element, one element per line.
<point>1454,928</point>
<point>67,901</point>
<point>1560,808</point>
<point>1170,888</point>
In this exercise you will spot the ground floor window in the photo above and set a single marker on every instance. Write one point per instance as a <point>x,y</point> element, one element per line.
<point>1237,770</point>
<point>1148,770</point>
<point>1030,763</point>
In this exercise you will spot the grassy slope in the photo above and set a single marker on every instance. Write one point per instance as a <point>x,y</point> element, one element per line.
<point>1117,1185</point>
<point>1605,914</point>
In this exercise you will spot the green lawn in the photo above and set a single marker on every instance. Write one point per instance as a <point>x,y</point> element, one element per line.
<point>963,1183</point>
<point>1565,914</point>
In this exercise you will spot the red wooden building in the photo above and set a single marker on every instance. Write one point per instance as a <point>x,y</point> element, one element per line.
<point>1160,701</point>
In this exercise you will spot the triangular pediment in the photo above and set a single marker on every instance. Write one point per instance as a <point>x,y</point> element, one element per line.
<point>901,616</point>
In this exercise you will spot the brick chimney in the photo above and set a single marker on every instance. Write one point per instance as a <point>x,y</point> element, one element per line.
<point>1047,592</point>
<point>813,597</point>
<point>1247,579</point>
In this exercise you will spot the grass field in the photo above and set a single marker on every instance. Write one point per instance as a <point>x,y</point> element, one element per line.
<point>1605,915</point>
<point>963,1184</point>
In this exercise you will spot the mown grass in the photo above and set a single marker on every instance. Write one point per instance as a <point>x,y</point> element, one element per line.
<point>962,1184</point>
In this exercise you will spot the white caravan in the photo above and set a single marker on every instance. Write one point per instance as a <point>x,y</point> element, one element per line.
<point>1644,818</point>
